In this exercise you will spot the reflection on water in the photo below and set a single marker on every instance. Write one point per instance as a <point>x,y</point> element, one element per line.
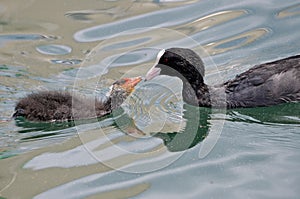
<point>20,37</point>
<point>235,41</point>
<point>157,106</point>
<point>289,11</point>
<point>162,144</point>
<point>54,49</point>
<point>209,21</point>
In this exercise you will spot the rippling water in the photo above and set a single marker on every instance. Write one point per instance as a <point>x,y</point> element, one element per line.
<point>155,145</point>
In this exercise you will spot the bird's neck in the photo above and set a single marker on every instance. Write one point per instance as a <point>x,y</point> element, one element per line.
<point>196,93</point>
<point>103,107</point>
<point>203,95</point>
<point>107,104</point>
<point>116,99</point>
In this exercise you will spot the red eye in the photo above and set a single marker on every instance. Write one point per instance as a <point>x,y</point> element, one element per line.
<point>166,60</point>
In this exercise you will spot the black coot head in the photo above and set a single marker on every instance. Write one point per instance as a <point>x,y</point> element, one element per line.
<point>181,62</point>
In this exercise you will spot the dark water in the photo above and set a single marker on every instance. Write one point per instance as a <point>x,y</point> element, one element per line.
<point>155,145</point>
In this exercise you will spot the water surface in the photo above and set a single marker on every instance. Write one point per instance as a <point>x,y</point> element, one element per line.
<point>155,145</point>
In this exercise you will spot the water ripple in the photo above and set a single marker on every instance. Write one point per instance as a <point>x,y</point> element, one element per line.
<point>289,12</point>
<point>157,107</point>
<point>54,49</point>
<point>66,61</point>
<point>210,20</point>
<point>20,37</point>
<point>235,41</point>
<point>159,19</point>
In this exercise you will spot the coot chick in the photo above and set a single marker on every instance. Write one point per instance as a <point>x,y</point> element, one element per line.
<point>63,106</point>
<point>263,85</point>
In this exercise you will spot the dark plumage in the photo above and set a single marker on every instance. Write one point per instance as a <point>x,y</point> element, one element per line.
<point>263,85</point>
<point>63,106</point>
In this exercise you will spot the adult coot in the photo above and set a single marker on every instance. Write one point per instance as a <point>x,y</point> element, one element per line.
<point>263,85</point>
